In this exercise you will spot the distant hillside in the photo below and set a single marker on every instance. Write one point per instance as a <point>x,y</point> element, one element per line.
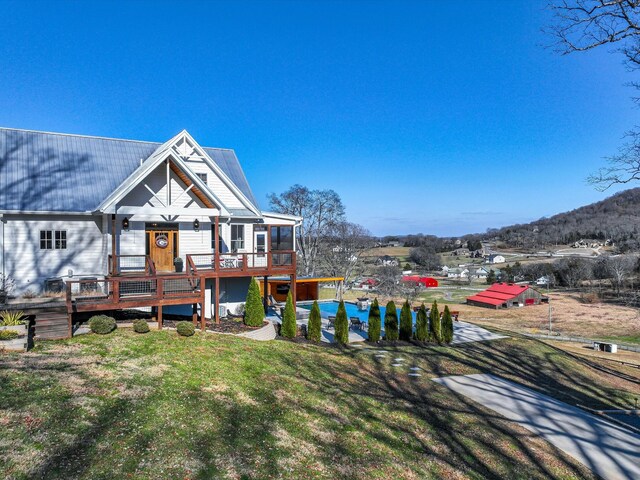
<point>616,218</point>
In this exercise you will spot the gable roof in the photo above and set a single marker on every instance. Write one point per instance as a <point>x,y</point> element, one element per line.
<point>499,293</point>
<point>41,171</point>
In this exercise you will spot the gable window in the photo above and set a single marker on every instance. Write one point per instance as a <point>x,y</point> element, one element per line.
<point>53,239</point>
<point>237,237</point>
<point>203,177</point>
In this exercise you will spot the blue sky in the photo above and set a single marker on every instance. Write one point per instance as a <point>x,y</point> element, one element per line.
<point>436,117</point>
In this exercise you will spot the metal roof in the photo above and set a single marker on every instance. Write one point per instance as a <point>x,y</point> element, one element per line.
<point>54,172</point>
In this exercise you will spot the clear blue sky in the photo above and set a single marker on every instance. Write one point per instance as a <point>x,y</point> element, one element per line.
<point>436,117</point>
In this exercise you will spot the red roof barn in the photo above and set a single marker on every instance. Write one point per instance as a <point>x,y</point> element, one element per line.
<point>505,295</point>
<point>426,281</point>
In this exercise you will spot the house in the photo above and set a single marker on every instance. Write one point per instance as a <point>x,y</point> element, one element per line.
<point>506,295</point>
<point>387,261</point>
<point>480,273</point>
<point>426,282</point>
<point>131,224</point>
<point>543,281</point>
<point>461,252</point>
<point>458,272</point>
<point>445,270</point>
<point>495,258</point>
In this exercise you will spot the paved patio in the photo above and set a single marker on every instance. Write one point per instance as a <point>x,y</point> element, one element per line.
<point>611,451</point>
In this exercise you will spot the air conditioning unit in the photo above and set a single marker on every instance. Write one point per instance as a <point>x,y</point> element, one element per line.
<point>222,311</point>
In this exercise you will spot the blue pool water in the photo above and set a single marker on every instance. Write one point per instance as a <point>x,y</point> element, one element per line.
<point>330,308</point>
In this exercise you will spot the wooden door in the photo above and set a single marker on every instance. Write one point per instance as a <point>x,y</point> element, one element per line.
<point>163,248</point>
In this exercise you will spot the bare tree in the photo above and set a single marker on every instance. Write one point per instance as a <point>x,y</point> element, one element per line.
<point>341,249</point>
<point>583,25</point>
<point>388,280</point>
<point>320,210</point>
<point>618,269</point>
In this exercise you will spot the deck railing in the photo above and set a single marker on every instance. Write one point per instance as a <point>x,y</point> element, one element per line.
<point>131,265</point>
<point>136,290</point>
<point>278,261</point>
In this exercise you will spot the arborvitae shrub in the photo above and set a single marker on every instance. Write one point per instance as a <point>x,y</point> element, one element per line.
<point>315,323</point>
<point>102,324</point>
<point>254,309</point>
<point>435,332</point>
<point>289,325</point>
<point>391,322</point>
<point>374,322</point>
<point>186,329</point>
<point>140,326</point>
<point>447,325</point>
<point>341,325</point>
<point>406,321</point>
<point>422,324</point>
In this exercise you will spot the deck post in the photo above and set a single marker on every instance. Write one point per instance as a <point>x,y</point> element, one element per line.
<point>293,291</point>
<point>216,250</point>
<point>113,244</point>
<point>203,288</point>
<point>70,320</point>
<point>265,294</point>
<point>159,317</point>
<point>194,314</point>
<point>217,300</point>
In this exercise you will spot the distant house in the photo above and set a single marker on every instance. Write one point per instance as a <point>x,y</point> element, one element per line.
<point>543,281</point>
<point>507,295</point>
<point>368,284</point>
<point>458,272</point>
<point>461,252</point>
<point>445,270</point>
<point>387,261</point>
<point>495,258</point>
<point>480,273</point>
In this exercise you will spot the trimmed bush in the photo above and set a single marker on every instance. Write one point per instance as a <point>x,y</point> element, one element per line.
<point>102,324</point>
<point>289,326</point>
<point>12,318</point>
<point>186,329</point>
<point>315,323</point>
<point>140,326</point>
<point>391,322</point>
<point>253,307</point>
<point>422,324</point>
<point>435,332</point>
<point>374,322</point>
<point>341,325</point>
<point>406,321</point>
<point>8,334</point>
<point>447,325</point>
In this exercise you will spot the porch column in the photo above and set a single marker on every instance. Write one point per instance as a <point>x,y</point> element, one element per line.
<point>113,244</point>
<point>217,300</point>
<point>203,288</point>
<point>265,294</point>
<point>159,317</point>
<point>293,290</point>
<point>216,236</point>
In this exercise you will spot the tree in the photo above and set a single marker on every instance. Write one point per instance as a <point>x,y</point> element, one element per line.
<point>374,322</point>
<point>491,277</point>
<point>583,25</point>
<point>406,322</point>
<point>319,209</point>
<point>425,257</point>
<point>388,280</point>
<point>447,325</point>
<point>422,324</point>
<point>289,326</point>
<point>618,269</point>
<point>315,323</point>
<point>572,271</point>
<point>253,307</point>
<point>435,334</point>
<point>340,251</point>
<point>341,325</point>
<point>391,322</point>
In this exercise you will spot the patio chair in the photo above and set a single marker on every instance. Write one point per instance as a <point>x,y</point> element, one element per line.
<point>356,322</point>
<point>332,322</point>
<point>274,303</point>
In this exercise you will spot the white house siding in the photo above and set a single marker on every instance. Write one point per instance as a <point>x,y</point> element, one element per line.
<point>215,183</point>
<point>85,255</point>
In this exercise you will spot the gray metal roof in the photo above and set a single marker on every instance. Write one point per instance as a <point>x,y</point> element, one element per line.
<point>42,171</point>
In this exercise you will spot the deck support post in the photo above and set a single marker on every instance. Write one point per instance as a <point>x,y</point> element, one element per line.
<point>70,320</point>
<point>293,291</point>
<point>265,294</point>
<point>203,289</point>
<point>194,314</point>
<point>159,317</point>
<point>217,300</point>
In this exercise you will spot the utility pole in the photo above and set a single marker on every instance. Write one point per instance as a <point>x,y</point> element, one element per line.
<point>549,296</point>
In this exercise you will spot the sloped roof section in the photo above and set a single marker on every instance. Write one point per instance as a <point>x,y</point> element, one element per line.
<point>42,171</point>
<point>498,293</point>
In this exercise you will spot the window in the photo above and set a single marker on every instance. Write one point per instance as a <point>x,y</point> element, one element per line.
<point>220,240</point>
<point>53,239</point>
<point>237,237</point>
<point>203,177</point>
<point>282,238</point>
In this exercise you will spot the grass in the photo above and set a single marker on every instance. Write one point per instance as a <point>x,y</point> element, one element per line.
<point>215,406</point>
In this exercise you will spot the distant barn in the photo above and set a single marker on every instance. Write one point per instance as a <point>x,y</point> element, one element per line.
<point>426,281</point>
<point>506,295</point>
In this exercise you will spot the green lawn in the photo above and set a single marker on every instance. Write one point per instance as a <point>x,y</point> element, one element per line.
<point>158,406</point>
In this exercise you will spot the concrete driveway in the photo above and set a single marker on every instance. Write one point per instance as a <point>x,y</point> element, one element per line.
<point>610,451</point>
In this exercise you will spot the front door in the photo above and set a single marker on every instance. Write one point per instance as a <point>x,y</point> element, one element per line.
<point>260,243</point>
<point>162,245</point>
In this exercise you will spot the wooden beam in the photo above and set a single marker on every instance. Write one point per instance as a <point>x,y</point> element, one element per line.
<point>217,301</point>
<point>159,317</point>
<point>203,288</point>
<point>187,181</point>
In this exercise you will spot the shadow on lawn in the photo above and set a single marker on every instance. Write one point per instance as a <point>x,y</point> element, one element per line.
<point>258,439</point>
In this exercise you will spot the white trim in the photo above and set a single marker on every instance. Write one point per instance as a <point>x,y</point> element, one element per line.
<point>43,212</point>
<point>147,210</point>
<point>283,216</point>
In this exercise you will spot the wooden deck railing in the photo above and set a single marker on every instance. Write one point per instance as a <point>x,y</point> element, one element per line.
<point>276,261</point>
<point>131,265</point>
<point>122,292</point>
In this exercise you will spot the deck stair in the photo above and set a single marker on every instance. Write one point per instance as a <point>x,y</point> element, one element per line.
<point>51,324</point>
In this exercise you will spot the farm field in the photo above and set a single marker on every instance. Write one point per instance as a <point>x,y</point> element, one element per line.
<point>214,406</point>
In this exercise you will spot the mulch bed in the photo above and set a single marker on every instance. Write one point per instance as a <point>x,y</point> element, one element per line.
<point>231,325</point>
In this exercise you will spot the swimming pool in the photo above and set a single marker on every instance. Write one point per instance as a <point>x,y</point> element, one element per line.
<point>330,308</point>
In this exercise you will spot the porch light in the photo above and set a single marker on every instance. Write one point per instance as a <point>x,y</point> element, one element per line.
<point>125,223</point>
<point>196,225</point>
